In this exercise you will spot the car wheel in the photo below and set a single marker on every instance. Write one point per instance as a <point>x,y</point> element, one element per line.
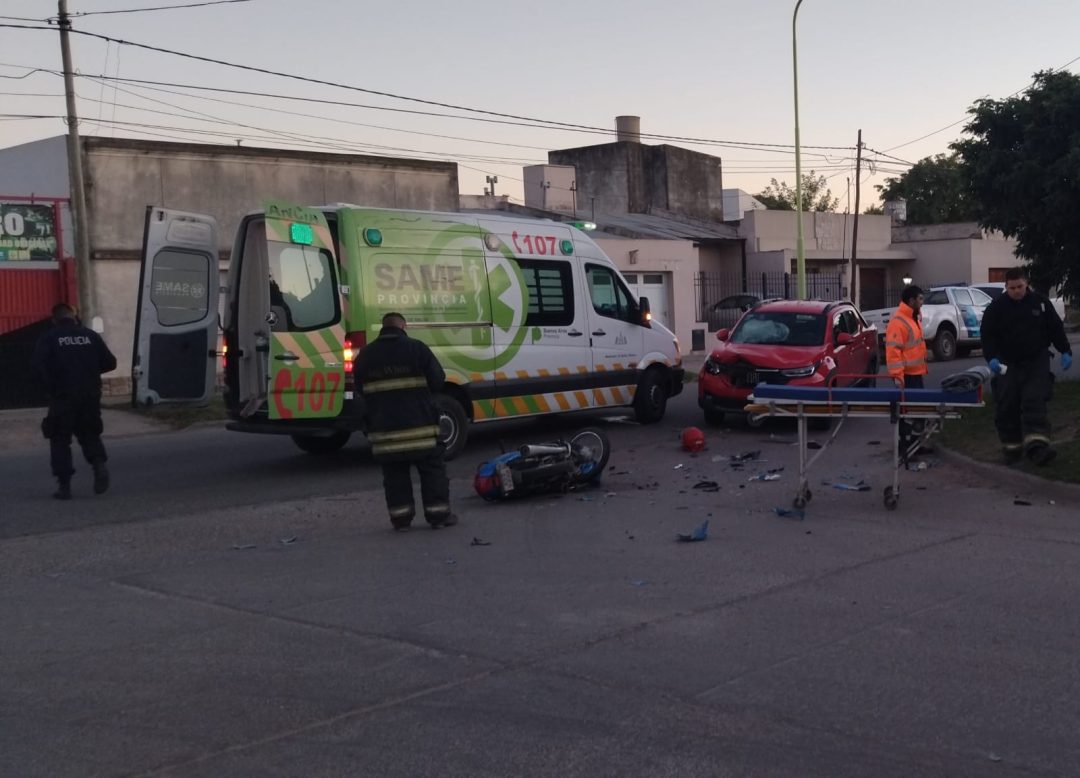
<point>945,345</point>
<point>650,399</point>
<point>321,444</point>
<point>453,425</point>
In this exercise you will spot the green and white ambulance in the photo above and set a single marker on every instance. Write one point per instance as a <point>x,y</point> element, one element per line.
<point>528,317</point>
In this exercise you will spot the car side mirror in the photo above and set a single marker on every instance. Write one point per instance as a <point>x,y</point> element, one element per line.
<point>645,312</point>
<point>844,339</point>
<point>723,334</point>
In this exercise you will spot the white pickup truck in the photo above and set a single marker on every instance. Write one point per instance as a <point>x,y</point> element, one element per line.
<point>951,318</point>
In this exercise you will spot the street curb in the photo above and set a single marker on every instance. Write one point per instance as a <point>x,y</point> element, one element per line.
<point>1002,474</point>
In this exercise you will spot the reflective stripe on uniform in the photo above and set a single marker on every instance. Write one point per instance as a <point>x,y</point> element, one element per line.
<point>405,445</point>
<point>405,510</point>
<point>411,433</point>
<point>436,509</point>
<point>393,384</point>
<point>1036,438</point>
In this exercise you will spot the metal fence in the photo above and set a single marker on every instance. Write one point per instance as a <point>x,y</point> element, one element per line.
<point>722,297</point>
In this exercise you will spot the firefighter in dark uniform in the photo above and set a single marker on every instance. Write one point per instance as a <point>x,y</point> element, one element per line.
<point>69,360</point>
<point>398,376</point>
<point>1018,328</point>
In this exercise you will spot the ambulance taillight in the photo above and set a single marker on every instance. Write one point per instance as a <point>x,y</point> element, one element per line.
<point>354,341</point>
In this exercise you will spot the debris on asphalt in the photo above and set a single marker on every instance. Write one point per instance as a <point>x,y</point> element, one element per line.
<point>610,494</point>
<point>861,486</point>
<point>993,757</point>
<point>586,498</point>
<point>244,547</point>
<point>764,477</point>
<point>479,542</point>
<point>813,444</point>
<point>873,442</point>
<point>790,513</point>
<point>918,466</point>
<point>639,583</point>
<point>701,532</point>
<point>1021,502</point>
<point>449,561</point>
<point>679,466</point>
<point>747,456</point>
<point>287,541</point>
<point>707,486</point>
<point>786,441</point>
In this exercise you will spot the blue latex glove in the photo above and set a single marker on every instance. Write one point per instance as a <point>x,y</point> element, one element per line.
<point>995,366</point>
<point>1066,361</point>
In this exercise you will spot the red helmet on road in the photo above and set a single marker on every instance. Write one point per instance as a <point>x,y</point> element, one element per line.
<point>693,439</point>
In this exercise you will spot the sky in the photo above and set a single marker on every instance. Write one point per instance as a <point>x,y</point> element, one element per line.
<point>718,72</point>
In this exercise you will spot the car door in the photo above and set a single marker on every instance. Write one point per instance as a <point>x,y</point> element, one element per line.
<point>175,350</point>
<point>615,336</point>
<point>970,317</point>
<point>844,355</point>
<point>306,374</point>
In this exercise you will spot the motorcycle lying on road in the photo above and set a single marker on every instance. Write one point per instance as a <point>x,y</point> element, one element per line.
<point>557,466</point>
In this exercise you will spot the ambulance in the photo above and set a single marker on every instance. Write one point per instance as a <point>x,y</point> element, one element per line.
<point>528,317</point>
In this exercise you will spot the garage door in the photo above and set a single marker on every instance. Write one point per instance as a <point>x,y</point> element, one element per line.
<point>657,287</point>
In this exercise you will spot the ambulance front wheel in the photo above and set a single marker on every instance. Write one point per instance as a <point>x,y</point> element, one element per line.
<point>650,399</point>
<point>321,444</point>
<point>453,425</point>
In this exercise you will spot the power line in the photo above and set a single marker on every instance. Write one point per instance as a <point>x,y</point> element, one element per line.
<point>550,123</point>
<point>961,121</point>
<point>159,8</point>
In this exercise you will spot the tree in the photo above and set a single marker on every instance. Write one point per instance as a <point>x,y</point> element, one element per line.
<point>1023,161</point>
<point>935,189</point>
<point>874,210</point>
<point>816,196</point>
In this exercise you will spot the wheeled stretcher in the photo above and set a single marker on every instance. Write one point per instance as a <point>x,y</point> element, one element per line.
<point>926,409</point>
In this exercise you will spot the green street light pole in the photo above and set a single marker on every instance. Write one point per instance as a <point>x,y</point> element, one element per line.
<point>800,251</point>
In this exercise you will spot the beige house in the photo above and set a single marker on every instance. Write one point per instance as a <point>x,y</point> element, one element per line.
<point>956,253</point>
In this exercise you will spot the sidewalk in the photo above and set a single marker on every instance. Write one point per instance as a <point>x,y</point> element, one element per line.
<point>20,428</point>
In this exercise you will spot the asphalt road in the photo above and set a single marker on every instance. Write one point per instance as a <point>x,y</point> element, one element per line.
<point>234,607</point>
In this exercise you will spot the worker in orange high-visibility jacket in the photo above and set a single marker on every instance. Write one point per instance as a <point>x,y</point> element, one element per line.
<point>905,355</point>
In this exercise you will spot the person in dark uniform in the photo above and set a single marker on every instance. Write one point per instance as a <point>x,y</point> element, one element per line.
<point>398,376</point>
<point>69,360</point>
<point>1018,328</point>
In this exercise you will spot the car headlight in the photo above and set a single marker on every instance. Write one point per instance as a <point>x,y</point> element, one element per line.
<point>798,372</point>
<point>711,367</point>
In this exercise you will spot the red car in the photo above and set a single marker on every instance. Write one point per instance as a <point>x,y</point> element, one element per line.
<point>800,342</point>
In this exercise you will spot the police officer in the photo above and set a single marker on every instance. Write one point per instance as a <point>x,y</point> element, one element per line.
<point>1018,328</point>
<point>398,376</point>
<point>905,355</point>
<point>69,360</point>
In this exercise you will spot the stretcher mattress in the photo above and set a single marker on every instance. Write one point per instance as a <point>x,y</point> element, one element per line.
<point>814,394</point>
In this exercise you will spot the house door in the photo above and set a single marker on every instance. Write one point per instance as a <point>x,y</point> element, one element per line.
<point>656,287</point>
<point>872,288</point>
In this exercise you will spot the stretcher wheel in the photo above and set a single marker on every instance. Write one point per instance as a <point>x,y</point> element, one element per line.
<point>802,499</point>
<point>891,499</point>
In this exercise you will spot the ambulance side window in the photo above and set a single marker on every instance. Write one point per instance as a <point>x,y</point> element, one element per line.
<point>609,296</point>
<point>551,292</point>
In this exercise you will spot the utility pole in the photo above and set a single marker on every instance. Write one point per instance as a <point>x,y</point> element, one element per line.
<point>800,251</point>
<point>75,171</point>
<point>855,226</point>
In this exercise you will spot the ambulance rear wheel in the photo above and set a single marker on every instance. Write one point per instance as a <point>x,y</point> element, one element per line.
<point>453,425</point>
<point>321,444</point>
<point>650,399</point>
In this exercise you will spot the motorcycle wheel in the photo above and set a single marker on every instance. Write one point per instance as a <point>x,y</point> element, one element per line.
<point>590,449</point>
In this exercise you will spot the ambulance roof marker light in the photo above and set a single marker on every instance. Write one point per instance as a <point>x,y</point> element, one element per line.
<point>301,234</point>
<point>372,237</point>
<point>567,247</point>
<point>585,226</point>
